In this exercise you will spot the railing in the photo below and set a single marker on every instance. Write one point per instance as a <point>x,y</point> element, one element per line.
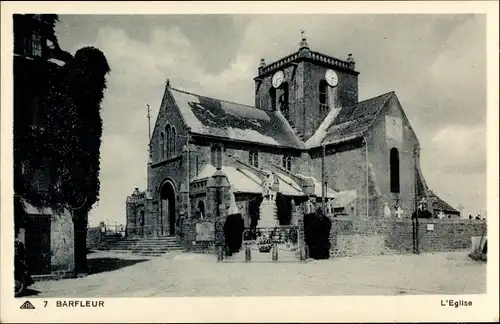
<point>115,230</point>
<point>313,55</point>
<point>285,237</point>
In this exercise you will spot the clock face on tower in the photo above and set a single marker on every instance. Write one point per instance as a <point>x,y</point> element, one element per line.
<point>331,78</point>
<point>278,78</point>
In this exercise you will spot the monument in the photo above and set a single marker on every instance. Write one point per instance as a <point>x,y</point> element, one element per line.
<point>268,208</point>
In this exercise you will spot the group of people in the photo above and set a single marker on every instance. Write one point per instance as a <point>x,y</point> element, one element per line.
<point>478,217</point>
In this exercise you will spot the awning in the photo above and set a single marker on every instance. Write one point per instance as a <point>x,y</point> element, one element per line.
<point>246,181</point>
<point>318,190</point>
<point>241,181</point>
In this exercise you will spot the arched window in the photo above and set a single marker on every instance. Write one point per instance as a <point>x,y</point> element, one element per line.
<point>167,140</point>
<point>201,208</point>
<point>323,96</point>
<point>174,139</point>
<point>272,97</point>
<point>162,146</point>
<point>287,162</point>
<point>283,100</point>
<point>394,170</point>
<point>253,158</point>
<point>216,156</point>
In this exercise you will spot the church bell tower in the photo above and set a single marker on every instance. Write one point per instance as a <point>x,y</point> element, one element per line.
<point>305,86</point>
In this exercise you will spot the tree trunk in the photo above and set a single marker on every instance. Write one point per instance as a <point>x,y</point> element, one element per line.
<point>80,228</point>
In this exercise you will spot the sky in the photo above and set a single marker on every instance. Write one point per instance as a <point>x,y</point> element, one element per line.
<point>436,64</point>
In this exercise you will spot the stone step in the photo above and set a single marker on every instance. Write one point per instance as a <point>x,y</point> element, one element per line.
<point>156,243</point>
<point>149,254</point>
<point>157,249</point>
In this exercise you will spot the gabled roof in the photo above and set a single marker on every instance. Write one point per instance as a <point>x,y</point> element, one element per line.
<point>440,204</point>
<point>349,122</point>
<point>214,117</point>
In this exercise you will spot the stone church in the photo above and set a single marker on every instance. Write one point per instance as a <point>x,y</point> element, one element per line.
<point>308,132</point>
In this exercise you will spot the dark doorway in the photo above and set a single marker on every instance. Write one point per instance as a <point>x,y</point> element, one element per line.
<point>37,242</point>
<point>167,219</point>
<point>201,209</point>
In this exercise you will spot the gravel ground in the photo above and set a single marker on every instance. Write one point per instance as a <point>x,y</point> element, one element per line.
<point>189,274</point>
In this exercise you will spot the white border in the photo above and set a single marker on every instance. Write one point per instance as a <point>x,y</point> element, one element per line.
<point>305,309</point>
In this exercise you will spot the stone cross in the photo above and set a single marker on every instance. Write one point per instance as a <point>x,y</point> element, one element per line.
<point>441,215</point>
<point>421,204</point>
<point>399,212</point>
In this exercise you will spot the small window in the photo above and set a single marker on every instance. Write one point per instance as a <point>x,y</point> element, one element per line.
<point>216,156</point>
<point>168,135</point>
<point>287,162</point>
<point>173,139</point>
<point>272,96</point>
<point>323,96</point>
<point>162,146</point>
<point>394,170</point>
<point>36,44</point>
<point>41,180</point>
<point>197,163</point>
<point>254,158</point>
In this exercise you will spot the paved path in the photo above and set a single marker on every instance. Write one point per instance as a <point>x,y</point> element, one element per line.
<point>187,274</point>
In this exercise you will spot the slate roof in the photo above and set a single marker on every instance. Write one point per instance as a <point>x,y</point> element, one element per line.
<point>440,204</point>
<point>437,202</point>
<point>349,122</point>
<point>214,117</point>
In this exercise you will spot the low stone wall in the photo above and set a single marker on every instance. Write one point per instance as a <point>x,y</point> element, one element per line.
<point>188,236</point>
<point>93,237</point>
<point>62,243</point>
<point>397,236</point>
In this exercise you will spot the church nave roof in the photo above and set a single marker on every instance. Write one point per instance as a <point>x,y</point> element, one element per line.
<point>214,117</point>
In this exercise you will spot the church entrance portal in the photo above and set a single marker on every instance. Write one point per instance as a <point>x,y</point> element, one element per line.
<point>167,215</point>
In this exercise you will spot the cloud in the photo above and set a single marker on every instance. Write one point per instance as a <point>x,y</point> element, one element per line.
<point>435,63</point>
<point>458,149</point>
<point>139,71</point>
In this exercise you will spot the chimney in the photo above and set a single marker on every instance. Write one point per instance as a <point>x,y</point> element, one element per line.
<point>351,62</point>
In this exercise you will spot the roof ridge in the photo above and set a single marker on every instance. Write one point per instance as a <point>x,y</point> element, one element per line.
<point>379,111</point>
<point>379,96</point>
<point>213,98</point>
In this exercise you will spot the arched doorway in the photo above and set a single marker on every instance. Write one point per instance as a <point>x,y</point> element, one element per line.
<point>167,208</point>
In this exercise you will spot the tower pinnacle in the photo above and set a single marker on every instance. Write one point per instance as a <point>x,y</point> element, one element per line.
<point>303,42</point>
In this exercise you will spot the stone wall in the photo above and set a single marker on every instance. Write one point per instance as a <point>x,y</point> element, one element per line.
<point>379,146</point>
<point>62,243</point>
<point>93,237</point>
<point>396,236</point>
<point>188,237</point>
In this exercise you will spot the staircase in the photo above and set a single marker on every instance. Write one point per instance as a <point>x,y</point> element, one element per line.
<point>299,134</point>
<point>154,246</point>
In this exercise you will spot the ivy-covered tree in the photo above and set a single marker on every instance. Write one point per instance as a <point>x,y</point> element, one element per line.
<point>58,129</point>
